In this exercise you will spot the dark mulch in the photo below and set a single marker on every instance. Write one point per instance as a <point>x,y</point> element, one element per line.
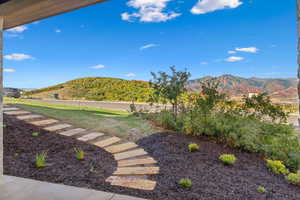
<point>211,179</point>
<point>20,149</point>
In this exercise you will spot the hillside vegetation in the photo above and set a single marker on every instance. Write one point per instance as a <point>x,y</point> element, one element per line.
<point>234,85</point>
<point>113,89</point>
<point>97,88</point>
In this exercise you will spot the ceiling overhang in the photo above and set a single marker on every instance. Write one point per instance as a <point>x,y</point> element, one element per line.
<point>19,12</point>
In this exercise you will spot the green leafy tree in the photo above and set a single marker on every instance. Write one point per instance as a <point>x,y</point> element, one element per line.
<point>169,87</point>
<point>260,106</point>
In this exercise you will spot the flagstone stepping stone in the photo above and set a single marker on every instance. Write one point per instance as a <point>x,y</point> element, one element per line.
<point>135,183</point>
<point>21,112</point>
<point>130,159</point>
<point>121,147</point>
<point>130,154</point>
<point>90,136</point>
<point>10,109</point>
<point>44,122</point>
<point>72,132</point>
<point>57,127</point>
<point>24,117</point>
<point>136,170</point>
<point>107,142</point>
<point>142,161</point>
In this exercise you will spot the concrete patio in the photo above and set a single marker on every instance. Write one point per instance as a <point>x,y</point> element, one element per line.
<point>14,188</point>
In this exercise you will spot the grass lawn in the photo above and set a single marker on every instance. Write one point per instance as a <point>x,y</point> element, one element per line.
<point>112,122</point>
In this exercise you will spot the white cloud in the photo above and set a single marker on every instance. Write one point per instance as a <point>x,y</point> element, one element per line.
<point>18,57</point>
<point>234,59</point>
<point>9,70</point>
<point>149,11</point>
<point>130,75</point>
<point>248,49</point>
<point>206,6</point>
<point>98,67</point>
<point>57,31</point>
<point>148,46</point>
<point>204,63</point>
<point>18,29</point>
<point>231,52</point>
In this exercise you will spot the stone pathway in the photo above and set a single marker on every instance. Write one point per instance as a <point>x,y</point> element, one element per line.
<point>134,163</point>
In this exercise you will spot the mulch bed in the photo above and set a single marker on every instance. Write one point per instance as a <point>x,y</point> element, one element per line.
<point>211,179</point>
<point>20,149</point>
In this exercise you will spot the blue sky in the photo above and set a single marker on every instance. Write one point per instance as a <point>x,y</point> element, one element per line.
<point>130,38</point>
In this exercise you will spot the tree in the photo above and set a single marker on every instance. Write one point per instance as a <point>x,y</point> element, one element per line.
<point>168,88</point>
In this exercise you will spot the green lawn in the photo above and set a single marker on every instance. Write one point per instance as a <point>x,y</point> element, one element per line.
<point>112,122</point>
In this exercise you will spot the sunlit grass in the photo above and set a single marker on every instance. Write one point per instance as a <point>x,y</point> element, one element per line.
<point>112,122</point>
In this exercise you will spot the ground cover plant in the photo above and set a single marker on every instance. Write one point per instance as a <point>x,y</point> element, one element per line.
<point>277,167</point>
<point>40,160</point>
<point>254,125</point>
<point>79,153</point>
<point>228,159</point>
<point>294,178</point>
<point>185,183</point>
<point>261,189</point>
<point>35,134</point>
<point>193,147</point>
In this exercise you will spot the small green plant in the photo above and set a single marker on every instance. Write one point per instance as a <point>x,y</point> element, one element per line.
<point>40,160</point>
<point>185,183</point>
<point>293,178</point>
<point>193,147</point>
<point>277,167</point>
<point>35,134</point>
<point>261,189</point>
<point>79,153</point>
<point>228,159</point>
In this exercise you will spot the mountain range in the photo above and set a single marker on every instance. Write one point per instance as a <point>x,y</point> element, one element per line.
<point>237,86</point>
<point>112,89</point>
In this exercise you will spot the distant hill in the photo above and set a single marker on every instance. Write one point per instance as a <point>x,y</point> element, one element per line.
<point>96,88</point>
<point>113,89</point>
<point>235,86</point>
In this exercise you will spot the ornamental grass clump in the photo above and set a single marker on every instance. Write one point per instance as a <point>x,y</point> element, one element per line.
<point>277,167</point>
<point>228,159</point>
<point>79,153</point>
<point>193,147</point>
<point>35,134</point>
<point>261,189</point>
<point>293,178</point>
<point>40,160</point>
<point>185,183</point>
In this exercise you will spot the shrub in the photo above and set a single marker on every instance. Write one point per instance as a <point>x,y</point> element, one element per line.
<point>254,125</point>
<point>261,189</point>
<point>35,134</point>
<point>228,159</point>
<point>193,147</point>
<point>185,183</point>
<point>79,153</point>
<point>40,160</point>
<point>293,178</point>
<point>277,167</point>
